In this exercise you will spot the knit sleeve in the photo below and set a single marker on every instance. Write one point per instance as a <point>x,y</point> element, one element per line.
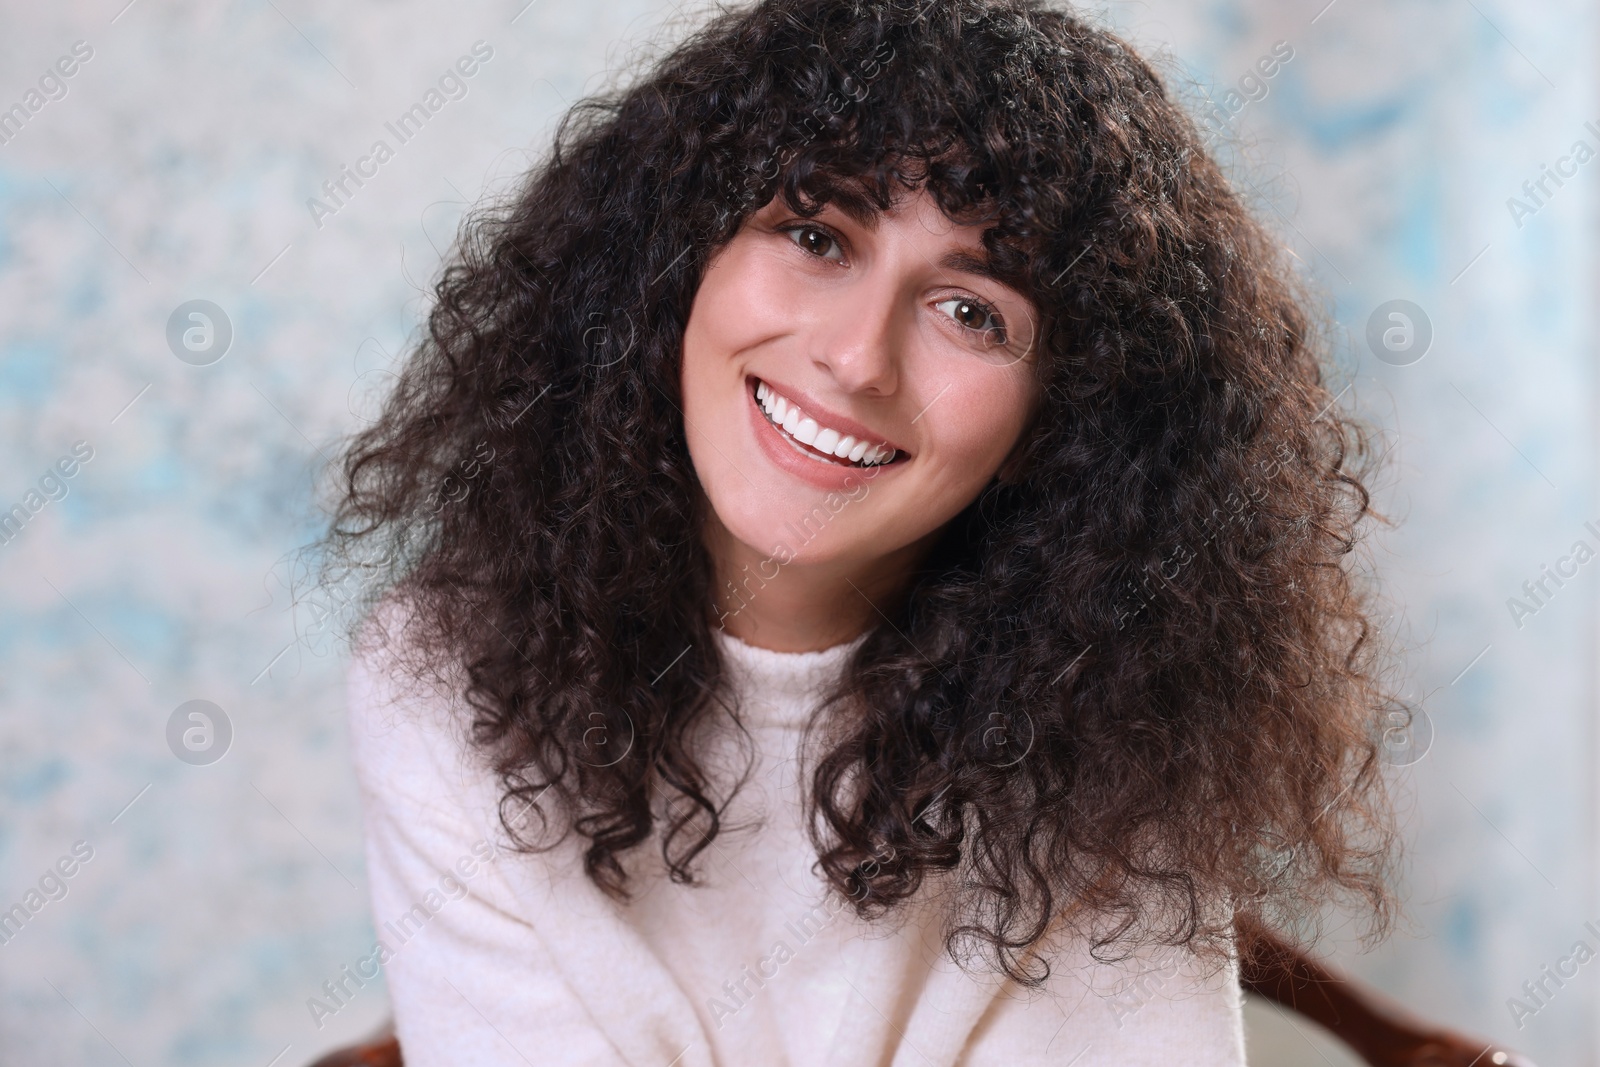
<point>471,982</point>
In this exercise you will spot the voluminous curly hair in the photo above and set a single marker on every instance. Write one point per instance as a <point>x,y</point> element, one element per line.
<point>1136,686</point>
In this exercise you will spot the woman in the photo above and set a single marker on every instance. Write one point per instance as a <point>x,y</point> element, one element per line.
<point>865,573</point>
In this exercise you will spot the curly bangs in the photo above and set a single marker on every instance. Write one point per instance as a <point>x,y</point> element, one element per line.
<point>1135,688</point>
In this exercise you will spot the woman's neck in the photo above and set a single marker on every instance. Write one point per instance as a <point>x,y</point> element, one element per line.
<point>789,604</point>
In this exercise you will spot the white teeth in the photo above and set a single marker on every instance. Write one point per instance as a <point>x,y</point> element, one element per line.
<point>806,430</point>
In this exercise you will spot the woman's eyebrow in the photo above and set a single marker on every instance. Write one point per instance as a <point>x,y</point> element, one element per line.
<point>960,259</point>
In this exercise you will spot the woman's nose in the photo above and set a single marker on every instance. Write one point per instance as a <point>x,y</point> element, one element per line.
<point>862,340</point>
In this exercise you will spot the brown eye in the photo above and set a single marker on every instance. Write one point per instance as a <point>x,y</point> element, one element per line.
<point>970,315</point>
<point>978,317</point>
<point>813,239</point>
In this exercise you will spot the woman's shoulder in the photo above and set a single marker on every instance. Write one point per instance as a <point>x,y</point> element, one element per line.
<point>409,722</point>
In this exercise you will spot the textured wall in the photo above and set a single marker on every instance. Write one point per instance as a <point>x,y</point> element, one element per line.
<point>174,165</point>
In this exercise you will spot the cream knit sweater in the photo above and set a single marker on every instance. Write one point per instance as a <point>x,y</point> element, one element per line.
<point>496,958</point>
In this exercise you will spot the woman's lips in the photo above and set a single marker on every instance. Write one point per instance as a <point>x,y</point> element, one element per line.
<point>807,463</point>
<point>830,436</point>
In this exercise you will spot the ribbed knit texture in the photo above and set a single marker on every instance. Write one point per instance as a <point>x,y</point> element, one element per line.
<point>496,958</point>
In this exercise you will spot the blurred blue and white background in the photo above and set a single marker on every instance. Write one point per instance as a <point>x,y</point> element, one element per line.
<point>175,163</point>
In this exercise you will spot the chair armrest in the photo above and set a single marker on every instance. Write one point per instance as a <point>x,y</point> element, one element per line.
<point>382,1049</point>
<point>1375,1027</point>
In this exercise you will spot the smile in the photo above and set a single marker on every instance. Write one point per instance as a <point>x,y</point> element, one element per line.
<point>821,443</point>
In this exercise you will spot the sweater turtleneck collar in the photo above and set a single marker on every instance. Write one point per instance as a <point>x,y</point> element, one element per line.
<point>781,688</point>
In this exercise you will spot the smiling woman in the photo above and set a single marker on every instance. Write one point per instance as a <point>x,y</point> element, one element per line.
<point>814,349</point>
<point>991,329</point>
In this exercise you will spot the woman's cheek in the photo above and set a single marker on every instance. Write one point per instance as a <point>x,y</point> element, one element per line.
<point>752,301</point>
<point>980,432</point>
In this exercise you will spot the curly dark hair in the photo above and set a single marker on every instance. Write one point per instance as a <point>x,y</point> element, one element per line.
<point>1137,684</point>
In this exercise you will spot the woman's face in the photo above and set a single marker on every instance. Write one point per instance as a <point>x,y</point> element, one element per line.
<point>890,342</point>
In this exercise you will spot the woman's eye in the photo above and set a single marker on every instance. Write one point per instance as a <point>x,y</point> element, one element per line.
<point>977,316</point>
<point>812,239</point>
